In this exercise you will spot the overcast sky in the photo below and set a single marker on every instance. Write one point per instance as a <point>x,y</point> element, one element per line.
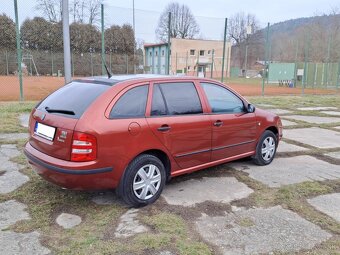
<point>209,14</point>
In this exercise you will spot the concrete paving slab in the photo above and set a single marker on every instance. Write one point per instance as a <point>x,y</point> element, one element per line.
<point>265,105</point>
<point>335,154</point>
<point>67,220</point>
<point>261,231</point>
<point>287,147</point>
<point>217,189</point>
<point>24,118</point>
<point>287,123</point>
<point>129,225</point>
<point>11,178</point>
<point>332,113</point>
<point>13,136</point>
<point>11,212</point>
<point>285,171</point>
<point>328,204</point>
<point>314,119</point>
<point>24,244</point>
<point>317,108</point>
<point>279,111</point>
<point>317,137</point>
<point>337,127</point>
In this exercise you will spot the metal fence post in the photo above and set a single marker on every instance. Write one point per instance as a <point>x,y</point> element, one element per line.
<point>328,56</point>
<point>224,42</point>
<point>212,63</point>
<point>52,64</point>
<point>66,41</point>
<point>103,39</point>
<point>91,56</point>
<point>127,63</point>
<point>266,58</point>
<point>19,56</point>
<point>169,43</point>
<point>7,65</point>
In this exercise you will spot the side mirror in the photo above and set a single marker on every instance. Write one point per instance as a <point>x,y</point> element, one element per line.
<point>250,108</point>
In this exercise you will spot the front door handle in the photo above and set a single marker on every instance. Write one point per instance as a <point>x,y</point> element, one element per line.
<point>164,128</point>
<point>218,123</point>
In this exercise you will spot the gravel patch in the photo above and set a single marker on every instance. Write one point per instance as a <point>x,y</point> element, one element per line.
<point>129,225</point>
<point>11,212</point>
<point>328,204</point>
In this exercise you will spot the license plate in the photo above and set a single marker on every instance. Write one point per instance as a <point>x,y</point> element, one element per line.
<point>44,131</point>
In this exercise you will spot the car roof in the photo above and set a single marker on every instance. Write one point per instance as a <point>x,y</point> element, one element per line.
<point>137,78</point>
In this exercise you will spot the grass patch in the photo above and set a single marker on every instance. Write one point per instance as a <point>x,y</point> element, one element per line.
<point>9,115</point>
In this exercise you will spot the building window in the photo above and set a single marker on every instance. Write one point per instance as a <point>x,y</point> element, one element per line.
<point>195,68</point>
<point>209,52</point>
<point>150,53</point>
<point>201,52</point>
<point>192,52</point>
<point>188,68</point>
<point>163,53</point>
<point>156,53</point>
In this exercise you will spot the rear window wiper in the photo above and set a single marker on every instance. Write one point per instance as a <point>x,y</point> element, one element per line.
<point>68,112</point>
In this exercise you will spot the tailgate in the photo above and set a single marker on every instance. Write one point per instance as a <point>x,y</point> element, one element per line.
<point>51,134</point>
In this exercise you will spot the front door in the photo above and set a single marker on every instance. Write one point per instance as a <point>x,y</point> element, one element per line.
<point>177,120</point>
<point>234,130</point>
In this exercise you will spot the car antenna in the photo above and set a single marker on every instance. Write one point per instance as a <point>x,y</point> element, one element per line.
<point>109,75</point>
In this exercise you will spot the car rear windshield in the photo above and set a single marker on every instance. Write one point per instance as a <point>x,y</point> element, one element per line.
<point>73,99</point>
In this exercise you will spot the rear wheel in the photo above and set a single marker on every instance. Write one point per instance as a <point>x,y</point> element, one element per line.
<point>143,181</point>
<point>266,148</point>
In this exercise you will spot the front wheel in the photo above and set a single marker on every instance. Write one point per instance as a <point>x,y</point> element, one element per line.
<point>266,148</point>
<point>143,181</point>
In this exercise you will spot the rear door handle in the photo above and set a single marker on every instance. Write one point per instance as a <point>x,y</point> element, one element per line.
<point>164,128</point>
<point>218,123</point>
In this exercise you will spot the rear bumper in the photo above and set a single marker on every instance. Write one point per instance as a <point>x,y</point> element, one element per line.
<point>70,175</point>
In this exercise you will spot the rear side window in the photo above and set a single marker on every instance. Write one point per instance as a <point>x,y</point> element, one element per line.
<point>179,99</point>
<point>222,100</point>
<point>131,104</point>
<point>73,99</point>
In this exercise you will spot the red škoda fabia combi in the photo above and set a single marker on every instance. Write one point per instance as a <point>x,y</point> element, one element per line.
<point>132,133</point>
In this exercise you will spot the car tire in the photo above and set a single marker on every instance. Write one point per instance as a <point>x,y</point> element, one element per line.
<point>265,149</point>
<point>143,181</point>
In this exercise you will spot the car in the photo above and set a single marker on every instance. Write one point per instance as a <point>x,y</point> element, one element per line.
<point>133,133</point>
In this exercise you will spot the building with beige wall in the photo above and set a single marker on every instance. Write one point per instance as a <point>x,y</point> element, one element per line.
<point>188,56</point>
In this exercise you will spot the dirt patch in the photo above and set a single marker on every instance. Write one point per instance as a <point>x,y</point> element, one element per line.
<point>38,87</point>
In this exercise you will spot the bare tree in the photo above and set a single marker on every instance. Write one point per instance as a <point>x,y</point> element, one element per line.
<point>183,23</point>
<point>51,9</point>
<point>238,24</point>
<point>93,8</point>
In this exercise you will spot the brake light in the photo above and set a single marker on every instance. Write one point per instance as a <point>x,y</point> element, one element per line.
<point>84,147</point>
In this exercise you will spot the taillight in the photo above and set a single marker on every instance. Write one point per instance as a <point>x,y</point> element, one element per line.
<point>84,147</point>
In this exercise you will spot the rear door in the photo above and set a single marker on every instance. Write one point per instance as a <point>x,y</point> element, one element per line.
<point>234,130</point>
<point>53,121</point>
<point>177,119</point>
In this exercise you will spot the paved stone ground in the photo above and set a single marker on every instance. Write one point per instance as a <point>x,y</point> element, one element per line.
<point>332,113</point>
<point>317,137</point>
<point>129,225</point>
<point>337,127</point>
<point>328,204</point>
<point>287,147</point>
<point>279,111</point>
<point>24,118</point>
<point>335,154</point>
<point>260,230</point>
<point>314,119</point>
<point>67,221</point>
<point>10,212</point>
<point>284,171</point>
<point>318,108</point>
<point>13,137</point>
<point>11,178</point>
<point>217,189</point>
<point>287,123</point>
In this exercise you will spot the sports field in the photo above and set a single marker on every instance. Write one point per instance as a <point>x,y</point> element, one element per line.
<point>36,88</point>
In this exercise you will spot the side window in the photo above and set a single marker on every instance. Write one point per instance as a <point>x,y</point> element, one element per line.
<point>222,100</point>
<point>180,98</point>
<point>131,104</point>
<point>158,105</point>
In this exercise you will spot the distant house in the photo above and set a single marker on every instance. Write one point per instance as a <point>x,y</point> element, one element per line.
<point>187,57</point>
